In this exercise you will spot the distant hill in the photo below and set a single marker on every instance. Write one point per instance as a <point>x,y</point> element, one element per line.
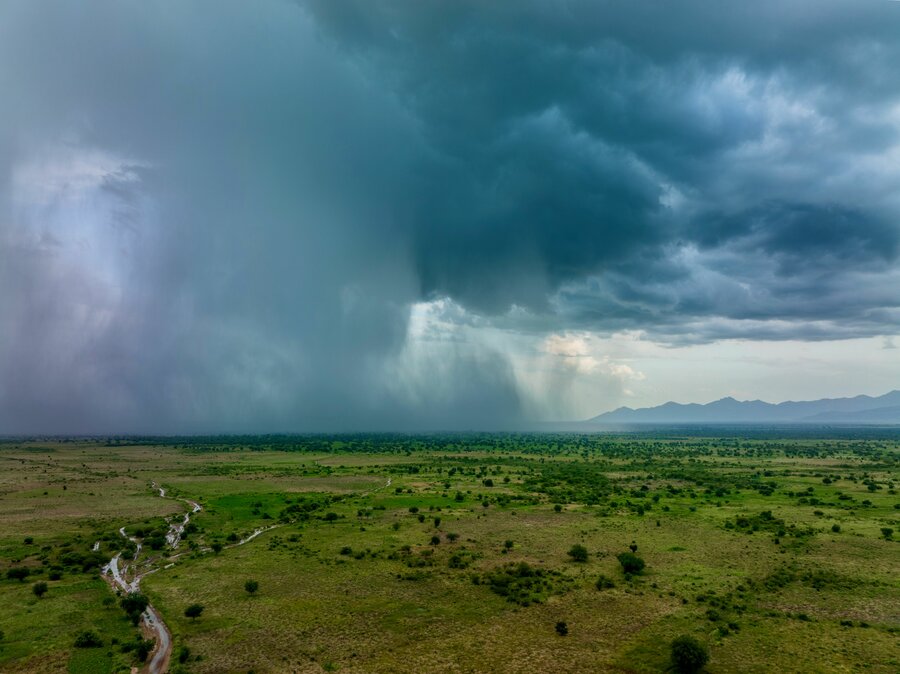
<point>861,409</point>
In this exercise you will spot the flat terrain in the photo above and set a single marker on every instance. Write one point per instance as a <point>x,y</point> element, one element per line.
<point>451,553</point>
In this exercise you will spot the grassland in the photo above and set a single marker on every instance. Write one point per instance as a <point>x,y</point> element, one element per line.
<point>450,553</point>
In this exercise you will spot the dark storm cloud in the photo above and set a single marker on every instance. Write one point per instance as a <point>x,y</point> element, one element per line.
<point>565,127</point>
<point>218,215</point>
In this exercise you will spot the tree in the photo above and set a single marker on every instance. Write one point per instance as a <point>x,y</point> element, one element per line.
<point>216,547</point>
<point>561,628</point>
<point>39,589</point>
<point>251,586</point>
<point>134,603</point>
<point>143,648</point>
<point>435,540</point>
<point>193,611</point>
<point>578,553</point>
<point>437,522</point>
<point>508,544</point>
<point>630,562</point>
<point>688,655</point>
<point>887,532</point>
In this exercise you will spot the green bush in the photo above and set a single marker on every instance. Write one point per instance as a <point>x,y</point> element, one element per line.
<point>578,553</point>
<point>688,655</point>
<point>88,639</point>
<point>631,563</point>
<point>605,583</point>
<point>19,573</point>
<point>524,584</point>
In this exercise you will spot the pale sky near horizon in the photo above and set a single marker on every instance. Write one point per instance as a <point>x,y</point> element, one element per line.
<point>366,215</point>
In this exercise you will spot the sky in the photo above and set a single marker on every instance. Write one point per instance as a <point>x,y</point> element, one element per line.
<point>279,216</point>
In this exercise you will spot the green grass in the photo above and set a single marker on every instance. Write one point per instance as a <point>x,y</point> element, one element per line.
<point>370,591</point>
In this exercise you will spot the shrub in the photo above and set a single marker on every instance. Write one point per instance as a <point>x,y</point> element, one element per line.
<point>88,639</point>
<point>251,586</point>
<point>578,553</point>
<point>39,589</point>
<point>688,655</point>
<point>459,560</point>
<point>631,563</point>
<point>562,629</point>
<point>19,573</point>
<point>604,583</point>
<point>524,584</point>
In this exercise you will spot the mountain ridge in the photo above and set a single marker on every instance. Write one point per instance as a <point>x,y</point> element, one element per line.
<point>857,409</point>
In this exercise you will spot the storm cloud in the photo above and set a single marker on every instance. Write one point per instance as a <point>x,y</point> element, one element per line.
<point>230,216</point>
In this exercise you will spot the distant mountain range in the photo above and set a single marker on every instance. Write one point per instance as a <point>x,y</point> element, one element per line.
<point>859,410</point>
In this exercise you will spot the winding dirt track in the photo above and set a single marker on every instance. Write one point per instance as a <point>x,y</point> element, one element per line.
<point>151,622</point>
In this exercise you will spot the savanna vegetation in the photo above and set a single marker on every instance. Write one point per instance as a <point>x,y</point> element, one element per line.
<point>649,552</point>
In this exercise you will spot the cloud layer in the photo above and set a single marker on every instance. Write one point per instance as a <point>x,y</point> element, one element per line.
<point>319,215</point>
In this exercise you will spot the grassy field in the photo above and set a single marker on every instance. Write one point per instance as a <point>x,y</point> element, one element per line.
<point>451,553</point>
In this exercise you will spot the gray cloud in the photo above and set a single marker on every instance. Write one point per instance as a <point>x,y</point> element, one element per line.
<point>219,217</point>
